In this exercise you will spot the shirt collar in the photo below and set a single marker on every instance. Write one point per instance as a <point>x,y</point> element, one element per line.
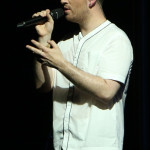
<point>100,27</point>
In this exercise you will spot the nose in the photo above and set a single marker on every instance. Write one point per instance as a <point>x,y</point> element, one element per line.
<point>63,2</point>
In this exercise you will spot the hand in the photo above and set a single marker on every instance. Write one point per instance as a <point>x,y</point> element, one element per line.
<point>46,28</point>
<point>48,56</point>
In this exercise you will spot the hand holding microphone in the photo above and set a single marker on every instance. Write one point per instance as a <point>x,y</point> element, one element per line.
<point>43,22</point>
<point>55,14</point>
<point>44,26</point>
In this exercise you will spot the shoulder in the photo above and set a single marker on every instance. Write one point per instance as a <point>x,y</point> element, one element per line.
<point>115,32</point>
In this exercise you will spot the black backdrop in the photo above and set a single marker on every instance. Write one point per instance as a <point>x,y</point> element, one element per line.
<point>26,116</point>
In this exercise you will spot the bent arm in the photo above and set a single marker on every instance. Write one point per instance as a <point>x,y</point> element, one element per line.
<point>101,88</point>
<point>43,74</point>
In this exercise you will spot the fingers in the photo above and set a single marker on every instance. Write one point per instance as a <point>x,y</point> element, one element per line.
<point>52,43</point>
<point>49,17</point>
<point>39,49</point>
<point>34,50</point>
<point>43,13</point>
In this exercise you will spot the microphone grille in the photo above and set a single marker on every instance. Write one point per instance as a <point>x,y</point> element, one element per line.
<point>57,13</point>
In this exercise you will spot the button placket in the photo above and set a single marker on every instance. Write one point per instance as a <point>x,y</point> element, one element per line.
<point>69,99</point>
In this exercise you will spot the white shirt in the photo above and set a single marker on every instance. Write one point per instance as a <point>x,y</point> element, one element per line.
<point>80,122</point>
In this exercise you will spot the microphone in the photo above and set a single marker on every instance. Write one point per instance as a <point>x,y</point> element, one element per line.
<point>56,14</point>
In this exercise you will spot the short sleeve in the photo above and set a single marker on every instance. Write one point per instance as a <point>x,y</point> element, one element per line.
<point>117,59</point>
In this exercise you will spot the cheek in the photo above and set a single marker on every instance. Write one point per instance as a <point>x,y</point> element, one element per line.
<point>77,12</point>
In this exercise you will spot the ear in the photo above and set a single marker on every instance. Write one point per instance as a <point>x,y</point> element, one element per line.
<point>92,3</point>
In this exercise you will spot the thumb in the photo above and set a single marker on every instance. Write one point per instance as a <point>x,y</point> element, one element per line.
<point>49,17</point>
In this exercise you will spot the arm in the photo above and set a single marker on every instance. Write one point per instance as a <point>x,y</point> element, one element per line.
<point>103,89</point>
<point>43,75</point>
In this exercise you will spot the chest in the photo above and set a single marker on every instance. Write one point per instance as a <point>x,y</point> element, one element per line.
<point>86,54</point>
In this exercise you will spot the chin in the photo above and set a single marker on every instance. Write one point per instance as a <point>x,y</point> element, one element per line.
<point>70,19</point>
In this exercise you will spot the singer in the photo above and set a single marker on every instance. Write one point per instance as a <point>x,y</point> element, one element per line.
<point>89,75</point>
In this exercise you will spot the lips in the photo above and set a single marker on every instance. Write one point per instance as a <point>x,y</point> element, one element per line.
<point>66,9</point>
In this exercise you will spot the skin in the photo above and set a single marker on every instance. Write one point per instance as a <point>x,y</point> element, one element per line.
<point>89,16</point>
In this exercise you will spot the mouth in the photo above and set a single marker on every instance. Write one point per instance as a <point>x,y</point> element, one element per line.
<point>66,9</point>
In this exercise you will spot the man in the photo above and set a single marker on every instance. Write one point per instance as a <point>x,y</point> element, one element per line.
<point>89,75</point>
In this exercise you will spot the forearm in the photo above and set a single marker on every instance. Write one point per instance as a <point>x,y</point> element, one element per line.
<point>43,73</point>
<point>102,89</point>
<point>43,77</point>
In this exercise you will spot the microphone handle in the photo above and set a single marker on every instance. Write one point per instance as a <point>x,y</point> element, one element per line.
<point>35,21</point>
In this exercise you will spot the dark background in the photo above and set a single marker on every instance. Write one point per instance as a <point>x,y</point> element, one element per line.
<point>26,115</point>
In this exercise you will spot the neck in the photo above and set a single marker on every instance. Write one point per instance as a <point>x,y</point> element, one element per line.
<point>91,21</point>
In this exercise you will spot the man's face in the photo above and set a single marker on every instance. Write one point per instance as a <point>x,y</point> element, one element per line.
<point>75,10</point>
